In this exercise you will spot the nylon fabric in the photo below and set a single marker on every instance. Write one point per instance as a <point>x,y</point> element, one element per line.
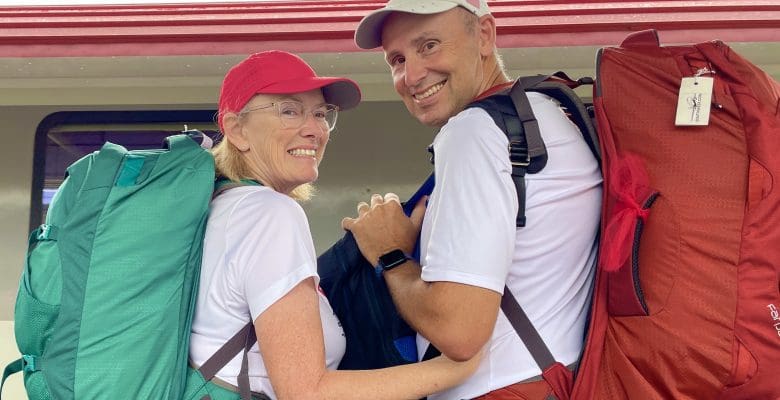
<point>705,261</point>
<point>107,307</point>
<point>376,335</point>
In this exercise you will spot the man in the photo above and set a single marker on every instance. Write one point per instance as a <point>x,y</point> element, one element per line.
<point>442,56</point>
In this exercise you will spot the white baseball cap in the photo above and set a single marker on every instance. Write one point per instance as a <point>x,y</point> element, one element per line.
<point>368,34</point>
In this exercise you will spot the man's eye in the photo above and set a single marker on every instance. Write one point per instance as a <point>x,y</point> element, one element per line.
<point>429,45</point>
<point>397,61</point>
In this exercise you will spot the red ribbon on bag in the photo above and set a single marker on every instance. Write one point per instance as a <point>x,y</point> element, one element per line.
<point>628,183</point>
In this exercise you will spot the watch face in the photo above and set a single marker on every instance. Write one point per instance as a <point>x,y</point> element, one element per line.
<point>392,259</point>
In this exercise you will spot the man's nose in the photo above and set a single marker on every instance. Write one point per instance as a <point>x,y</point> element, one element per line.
<point>414,73</point>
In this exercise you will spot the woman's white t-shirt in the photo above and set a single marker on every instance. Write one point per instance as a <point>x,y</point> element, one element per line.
<point>257,247</point>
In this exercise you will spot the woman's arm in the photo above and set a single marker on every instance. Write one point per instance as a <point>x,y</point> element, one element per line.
<point>292,346</point>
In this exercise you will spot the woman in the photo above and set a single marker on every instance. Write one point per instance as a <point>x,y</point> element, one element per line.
<point>276,116</point>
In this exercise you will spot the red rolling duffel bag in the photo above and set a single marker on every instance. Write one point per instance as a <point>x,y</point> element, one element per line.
<point>688,289</point>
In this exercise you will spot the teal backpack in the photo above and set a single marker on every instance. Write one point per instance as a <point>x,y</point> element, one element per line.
<point>106,298</point>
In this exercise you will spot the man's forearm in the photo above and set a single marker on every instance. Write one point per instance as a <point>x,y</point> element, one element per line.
<point>458,319</point>
<point>409,291</point>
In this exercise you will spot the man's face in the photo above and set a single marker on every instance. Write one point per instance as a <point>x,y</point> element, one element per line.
<point>435,61</point>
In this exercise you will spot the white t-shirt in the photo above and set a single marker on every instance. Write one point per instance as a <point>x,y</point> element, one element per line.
<point>469,236</point>
<point>257,247</point>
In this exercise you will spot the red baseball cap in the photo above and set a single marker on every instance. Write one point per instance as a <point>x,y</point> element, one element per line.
<point>279,72</point>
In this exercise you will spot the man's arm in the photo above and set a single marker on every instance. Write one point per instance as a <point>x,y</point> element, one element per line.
<point>457,318</point>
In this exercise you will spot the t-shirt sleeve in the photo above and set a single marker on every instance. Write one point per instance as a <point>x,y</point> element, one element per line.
<point>273,252</point>
<point>471,214</point>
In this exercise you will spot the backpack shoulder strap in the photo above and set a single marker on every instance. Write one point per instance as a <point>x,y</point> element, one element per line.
<point>222,185</point>
<point>560,89</point>
<point>537,152</point>
<point>511,111</point>
<point>526,330</point>
<point>241,342</point>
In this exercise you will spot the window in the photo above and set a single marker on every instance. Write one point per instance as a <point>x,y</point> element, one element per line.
<point>65,137</point>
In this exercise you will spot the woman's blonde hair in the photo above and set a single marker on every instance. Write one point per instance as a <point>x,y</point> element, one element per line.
<point>231,164</point>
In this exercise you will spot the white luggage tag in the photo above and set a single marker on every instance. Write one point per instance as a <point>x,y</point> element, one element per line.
<point>695,99</point>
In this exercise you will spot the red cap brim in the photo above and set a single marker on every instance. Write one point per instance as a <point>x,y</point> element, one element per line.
<point>342,92</point>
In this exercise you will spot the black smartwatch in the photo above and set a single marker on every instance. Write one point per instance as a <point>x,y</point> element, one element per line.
<point>391,260</point>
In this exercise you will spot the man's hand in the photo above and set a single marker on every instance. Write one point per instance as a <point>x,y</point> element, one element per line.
<point>382,226</point>
<point>437,310</point>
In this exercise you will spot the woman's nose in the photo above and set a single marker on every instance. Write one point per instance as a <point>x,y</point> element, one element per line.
<point>312,126</point>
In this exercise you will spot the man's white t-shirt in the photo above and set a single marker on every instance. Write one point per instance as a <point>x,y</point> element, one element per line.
<point>257,247</point>
<point>469,236</point>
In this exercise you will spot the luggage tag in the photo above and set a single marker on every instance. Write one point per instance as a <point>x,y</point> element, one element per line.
<point>695,100</point>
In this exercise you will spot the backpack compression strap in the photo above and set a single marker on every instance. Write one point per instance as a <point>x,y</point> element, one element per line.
<point>10,369</point>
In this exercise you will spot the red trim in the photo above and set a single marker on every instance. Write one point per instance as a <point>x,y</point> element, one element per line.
<point>490,91</point>
<point>328,26</point>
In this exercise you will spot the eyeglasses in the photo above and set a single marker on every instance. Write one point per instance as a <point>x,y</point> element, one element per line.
<point>293,114</point>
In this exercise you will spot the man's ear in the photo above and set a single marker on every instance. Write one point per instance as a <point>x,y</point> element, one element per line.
<point>233,132</point>
<point>487,35</point>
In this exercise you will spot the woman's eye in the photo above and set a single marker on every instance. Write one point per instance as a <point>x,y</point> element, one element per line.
<point>319,114</point>
<point>290,111</point>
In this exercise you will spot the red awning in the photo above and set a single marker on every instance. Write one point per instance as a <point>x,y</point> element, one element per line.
<point>319,26</point>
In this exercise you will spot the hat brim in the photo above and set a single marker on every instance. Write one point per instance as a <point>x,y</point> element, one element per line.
<point>368,34</point>
<point>343,92</point>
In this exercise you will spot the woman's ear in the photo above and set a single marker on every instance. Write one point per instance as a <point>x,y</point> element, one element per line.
<point>233,133</point>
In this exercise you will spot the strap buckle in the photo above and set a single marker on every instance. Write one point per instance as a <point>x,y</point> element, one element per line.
<point>29,364</point>
<point>518,154</point>
<point>43,231</point>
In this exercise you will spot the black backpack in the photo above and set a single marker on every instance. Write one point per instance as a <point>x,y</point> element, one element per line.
<point>376,335</point>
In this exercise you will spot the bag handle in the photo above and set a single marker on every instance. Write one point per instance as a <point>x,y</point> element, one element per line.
<point>189,138</point>
<point>644,38</point>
